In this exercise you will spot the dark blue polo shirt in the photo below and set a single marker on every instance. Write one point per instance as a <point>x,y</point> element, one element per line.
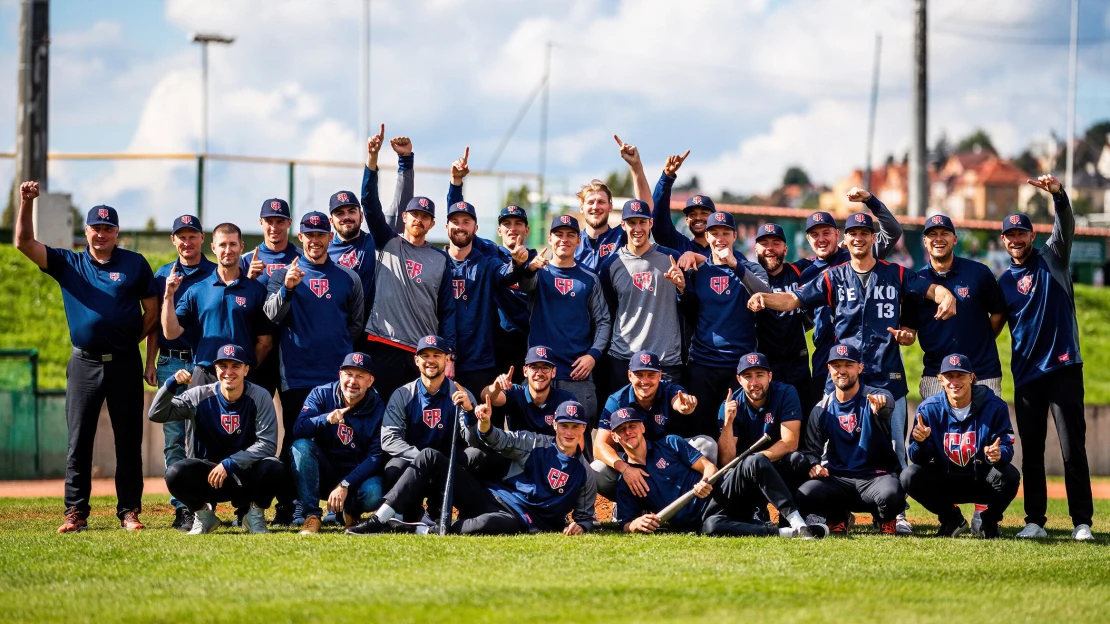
<point>592,252</point>
<point>656,419</point>
<point>750,423</point>
<point>102,300</point>
<point>521,414</point>
<point>226,314</point>
<point>190,275</point>
<point>724,326</point>
<point>670,467</point>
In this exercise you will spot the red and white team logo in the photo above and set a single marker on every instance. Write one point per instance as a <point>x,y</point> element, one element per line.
<point>270,268</point>
<point>818,217</point>
<point>642,281</point>
<point>345,433</point>
<point>349,259</point>
<point>103,213</point>
<point>341,197</point>
<point>860,218</point>
<point>423,201</point>
<point>1025,284</point>
<point>606,249</point>
<point>357,358</point>
<point>769,418</point>
<point>461,205</point>
<point>769,228</point>
<point>564,285</point>
<point>565,219</point>
<point>572,410</point>
<point>557,478</point>
<point>719,284</point>
<point>275,206</point>
<point>954,360</point>
<point>319,286</point>
<point>960,447</point>
<point>541,351</point>
<point>114,276</point>
<point>848,422</point>
<point>841,350</point>
<point>696,200</point>
<point>459,286</point>
<point>186,219</point>
<point>962,292</point>
<point>661,464</point>
<point>432,418</point>
<point>314,219</point>
<point>753,359</point>
<point>429,340</point>
<point>719,217</point>
<point>1064,358</point>
<point>413,268</point>
<point>549,419</point>
<point>229,350</point>
<point>241,302</point>
<point>230,422</point>
<point>645,358</point>
<point>936,220</point>
<point>1014,219</point>
<point>660,418</point>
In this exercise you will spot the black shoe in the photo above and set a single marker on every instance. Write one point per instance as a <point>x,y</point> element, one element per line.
<point>400,526</point>
<point>183,519</point>
<point>370,526</point>
<point>813,532</point>
<point>283,516</point>
<point>953,528</point>
<point>990,531</point>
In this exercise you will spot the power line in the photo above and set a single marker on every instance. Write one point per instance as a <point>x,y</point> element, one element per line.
<point>1016,39</point>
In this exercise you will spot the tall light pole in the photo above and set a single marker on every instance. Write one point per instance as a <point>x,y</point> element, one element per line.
<point>204,39</point>
<point>919,175</point>
<point>1073,63</point>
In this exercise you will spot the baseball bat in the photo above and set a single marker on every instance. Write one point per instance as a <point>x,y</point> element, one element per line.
<point>449,487</point>
<point>669,511</point>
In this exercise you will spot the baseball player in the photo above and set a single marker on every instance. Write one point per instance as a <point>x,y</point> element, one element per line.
<point>413,295</point>
<point>548,479</point>
<point>530,407</point>
<point>961,446</point>
<point>166,357</point>
<point>352,247</point>
<point>847,447</point>
<point>1046,363</point>
<point>337,454</point>
<point>232,427</point>
<point>111,304</point>
<point>596,201</point>
<point>658,400</point>
<point>569,309</point>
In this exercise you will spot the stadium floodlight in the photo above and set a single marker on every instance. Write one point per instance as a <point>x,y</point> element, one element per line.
<point>204,39</point>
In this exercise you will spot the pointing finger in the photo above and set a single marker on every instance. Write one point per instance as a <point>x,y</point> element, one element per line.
<point>920,423</point>
<point>728,395</point>
<point>510,373</point>
<point>466,154</point>
<point>381,135</point>
<point>619,141</point>
<point>673,263</point>
<point>683,157</point>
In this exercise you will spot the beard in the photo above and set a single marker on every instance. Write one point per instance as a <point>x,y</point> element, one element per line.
<point>461,239</point>
<point>770,264</point>
<point>846,383</point>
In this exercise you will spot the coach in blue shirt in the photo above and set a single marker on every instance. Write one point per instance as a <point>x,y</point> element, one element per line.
<point>111,305</point>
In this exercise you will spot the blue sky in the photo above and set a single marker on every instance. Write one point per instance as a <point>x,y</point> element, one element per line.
<point>750,86</point>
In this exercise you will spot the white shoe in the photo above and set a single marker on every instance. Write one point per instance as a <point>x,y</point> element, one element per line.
<point>1033,531</point>
<point>205,521</point>
<point>902,526</point>
<point>255,520</point>
<point>1082,533</point>
<point>977,520</point>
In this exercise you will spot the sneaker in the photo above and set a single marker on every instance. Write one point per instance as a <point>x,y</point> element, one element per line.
<point>812,532</point>
<point>311,525</point>
<point>1082,533</point>
<point>890,527</point>
<point>205,521</point>
<point>977,519</point>
<point>1032,531</point>
<point>370,526</point>
<point>130,521</point>
<point>255,520</point>
<point>74,523</point>
<point>990,531</point>
<point>283,516</point>
<point>426,519</point>
<point>419,528</point>
<point>902,525</point>
<point>838,528</point>
<point>182,519</point>
<point>329,518</point>
<point>851,522</point>
<point>953,528</point>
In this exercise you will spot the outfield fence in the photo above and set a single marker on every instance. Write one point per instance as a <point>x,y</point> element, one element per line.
<point>32,421</point>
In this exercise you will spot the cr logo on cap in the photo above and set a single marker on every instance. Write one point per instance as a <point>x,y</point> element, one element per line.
<point>275,205</point>
<point>564,219</point>
<point>645,358</point>
<point>229,350</point>
<point>719,216</point>
<point>357,358</point>
<point>954,360</point>
<point>540,351</point>
<point>429,340</point>
<point>461,205</point>
<point>936,219</point>
<point>817,217</point>
<point>572,410</point>
<point>341,197</point>
<point>1014,219</point>
<point>314,219</point>
<point>752,359</point>
<point>423,202</point>
<point>859,218</point>
<point>696,199</point>
<point>768,228</point>
<point>186,219</point>
<point>103,212</point>
<point>842,350</point>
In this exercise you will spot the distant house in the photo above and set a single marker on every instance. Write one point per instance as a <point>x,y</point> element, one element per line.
<point>889,183</point>
<point>977,185</point>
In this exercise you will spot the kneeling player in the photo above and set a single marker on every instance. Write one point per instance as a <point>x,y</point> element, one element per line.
<point>860,472</point>
<point>961,449</point>
<point>549,478</point>
<point>232,426</point>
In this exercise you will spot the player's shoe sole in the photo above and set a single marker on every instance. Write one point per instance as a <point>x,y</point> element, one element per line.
<point>418,528</point>
<point>1032,531</point>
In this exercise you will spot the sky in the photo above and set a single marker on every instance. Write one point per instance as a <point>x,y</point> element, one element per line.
<point>751,87</point>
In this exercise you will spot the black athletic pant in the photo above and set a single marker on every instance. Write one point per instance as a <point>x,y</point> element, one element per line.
<point>187,481</point>
<point>268,373</point>
<point>1062,391</point>
<point>89,383</point>
<point>834,497</point>
<point>479,510</point>
<point>509,349</point>
<point>708,384</point>
<point>940,491</point>
<point>393,368</point>
<point>292,400</point>
<point>738,494</point>
<point>485,464</point>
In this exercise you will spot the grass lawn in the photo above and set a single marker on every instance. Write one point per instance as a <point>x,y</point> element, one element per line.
<point>106,574</point>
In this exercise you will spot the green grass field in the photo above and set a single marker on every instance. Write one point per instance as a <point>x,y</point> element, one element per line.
<point>106,574</point>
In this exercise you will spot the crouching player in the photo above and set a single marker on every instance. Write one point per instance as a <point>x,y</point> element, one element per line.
<point>232,428</point>
<point>337,452</point>
<point>962,446</point>
<point>549,478</point>
<point>674,467</point>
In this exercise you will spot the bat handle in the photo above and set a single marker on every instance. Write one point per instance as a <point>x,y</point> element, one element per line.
<point>449,485</point>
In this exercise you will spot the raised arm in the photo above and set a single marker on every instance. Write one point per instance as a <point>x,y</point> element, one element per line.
<point>639,181</point>
<point>1063,226</point>
<point>662,227</point>
<point>889,228</point>
<point>459,170</point>
<point>371,202</point>
<point>403,192</point>
<point>169,408</point>
<point>171,326</point>
<point>24,225</point>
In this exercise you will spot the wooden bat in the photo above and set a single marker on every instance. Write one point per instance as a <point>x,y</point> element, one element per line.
<point>669,511</point>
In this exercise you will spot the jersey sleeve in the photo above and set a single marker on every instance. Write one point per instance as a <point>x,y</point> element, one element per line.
<point>662,228</point>
<point>57,262</point>
<point>372,209</point>
<point>1063,232</point>
<point>685,451</point>
<point>791,407</point>
<point>313,416</point>
<point>445,304</point>
<point>603,325</point>
<point>914,287</point>
<point>889,228</point>
<point>611,405</point>
<point>817,292</point>
<point>186,309</point>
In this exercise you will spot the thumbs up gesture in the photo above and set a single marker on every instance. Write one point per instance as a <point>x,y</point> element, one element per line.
<point>675,276</point>
<point>920,431</point>
<point>730,408</point>
<point>294,275</point>
<point>994,451</point>
<point>257,266</point>
<point>336,416</point>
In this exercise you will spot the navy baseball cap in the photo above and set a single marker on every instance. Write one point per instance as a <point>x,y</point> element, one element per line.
<point>512,211</point>
<point>358,360</point>
<point>699,201</point>
<point>634,209</point>
<point>820,218</point>
<point>956,363</point>
<point>624,416</point>
<point>423,204</point>
<point>185,222</point>
<point>432,342</point>
<point>562,221</point>
<point>571,412</point>
<point>102,215</point>
<point>753,360</point>
<point>858,220</point>
<point>771,229</point>
<point>539,355</point>
<point>644,361</point>
<point>342,198</point>
<point>464,208</point>
<point>721,219</point>
<point>275,208</point>
<point>235,353</point>
<point>844,352</point>
<point>1016,221</point>
<point>939,221</point>
<point>315,222</point>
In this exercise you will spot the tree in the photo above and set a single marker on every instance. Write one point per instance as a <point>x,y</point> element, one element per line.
<point>795,175</point>
<point>1037,207</point>
<point>1096,135</point>
<point>618,186</point>
<point>151,226</point>
<point>1028,163</point>
<point>980,138</point>
<point>691,185</point>
<point>519,197</point>
<point>942,150</point>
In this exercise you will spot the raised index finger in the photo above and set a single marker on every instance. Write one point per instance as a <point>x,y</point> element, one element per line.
<point>381,135</point>
<point>683,157</point>
<point>510,373</point>
<point>920,423</point>
<point>466,154</point>
<point>673,263</point>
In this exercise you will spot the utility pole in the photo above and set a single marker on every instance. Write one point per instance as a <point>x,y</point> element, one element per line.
<point>543,129</point>
<point>919,176</point>
<point>874,107</point>
<point>1073,67</point>
<point>31,139</point>
<point>204,39</point>
<point>364,75</point>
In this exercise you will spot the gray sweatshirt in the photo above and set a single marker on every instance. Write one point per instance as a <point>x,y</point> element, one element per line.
<point>643,305</point>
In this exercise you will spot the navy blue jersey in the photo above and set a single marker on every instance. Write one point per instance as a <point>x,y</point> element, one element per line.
<point>415,419</point>
<point>750,424</point>
<point>474,282</point>
<point>670,468</point>
<point>662,227</point>
<point>102,300</point>
<point>273,260</point>
<point>977,298</point>
<point>592,252</point>
<point>1040,303</point>
<point>353,447</point>
<point>225,313</point>
<point>958,446</point>
<point>189,275</point>
<point>568,313</point>
<point>358,255</point>
<point>782,335</point>
<point>858,440</point>
<point>724,327</point>
<point>656,419</point>
<point>861,317</point>
<point>523,414</point>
